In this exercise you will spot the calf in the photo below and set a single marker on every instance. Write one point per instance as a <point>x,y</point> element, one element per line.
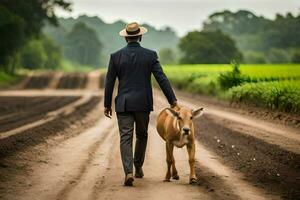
<point>176,128</point>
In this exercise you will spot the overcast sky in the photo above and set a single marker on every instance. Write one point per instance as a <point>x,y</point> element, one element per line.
<point>181,15</point>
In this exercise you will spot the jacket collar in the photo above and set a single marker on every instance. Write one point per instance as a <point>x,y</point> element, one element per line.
<point>133,44</point>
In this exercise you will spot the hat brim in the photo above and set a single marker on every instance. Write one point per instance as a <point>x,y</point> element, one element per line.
<point>123,32</point>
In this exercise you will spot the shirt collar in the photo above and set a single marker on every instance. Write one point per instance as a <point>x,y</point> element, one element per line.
<point>133,44</point>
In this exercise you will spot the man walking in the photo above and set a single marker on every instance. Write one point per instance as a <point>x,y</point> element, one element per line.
<point>133,66</point>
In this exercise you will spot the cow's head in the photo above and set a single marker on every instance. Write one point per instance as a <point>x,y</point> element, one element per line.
<point>185,118</point>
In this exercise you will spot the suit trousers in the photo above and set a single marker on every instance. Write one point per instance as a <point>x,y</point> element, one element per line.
<point>127,121</point>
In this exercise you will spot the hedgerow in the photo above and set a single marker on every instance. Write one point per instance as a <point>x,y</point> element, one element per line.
<point>283,96</point>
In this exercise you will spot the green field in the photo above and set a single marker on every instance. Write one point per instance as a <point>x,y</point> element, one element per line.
<point>253,70</point>
<point>273,86</point>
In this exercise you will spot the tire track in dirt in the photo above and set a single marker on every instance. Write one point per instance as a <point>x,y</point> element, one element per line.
<point>152,185</point>
<point>69,164</point>
<point>88,170</point>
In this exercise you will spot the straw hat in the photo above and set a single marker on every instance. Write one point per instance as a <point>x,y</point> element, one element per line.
<point>133,29</point>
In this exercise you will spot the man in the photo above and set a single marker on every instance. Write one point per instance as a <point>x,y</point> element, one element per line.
<point>133,66</point>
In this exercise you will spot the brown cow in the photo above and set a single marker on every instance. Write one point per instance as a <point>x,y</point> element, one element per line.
<point>176,127</point>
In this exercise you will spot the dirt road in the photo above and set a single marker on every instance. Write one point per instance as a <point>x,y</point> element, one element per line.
<point>75,154</point>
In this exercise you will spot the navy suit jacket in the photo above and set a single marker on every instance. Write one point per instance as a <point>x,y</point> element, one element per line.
<point>133,66</point>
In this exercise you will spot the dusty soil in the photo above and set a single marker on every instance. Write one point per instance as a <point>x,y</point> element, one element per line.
<point>34,109</point>
<point>101,81</point>
<point>72,81</point>
<point>39,134</point>
<point>75,155</point>
<point>38,82</point>
<point>266,165</point>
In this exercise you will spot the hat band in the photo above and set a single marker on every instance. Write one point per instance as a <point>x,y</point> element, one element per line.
<point>133,32</point>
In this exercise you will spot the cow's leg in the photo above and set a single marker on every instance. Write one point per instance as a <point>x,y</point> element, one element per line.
<point>169,163</point>
<point>191,152</point>
<point>174,170</point>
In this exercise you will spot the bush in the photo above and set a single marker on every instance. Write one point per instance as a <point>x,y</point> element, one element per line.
<point>204,85</point>
<point>232,78</point>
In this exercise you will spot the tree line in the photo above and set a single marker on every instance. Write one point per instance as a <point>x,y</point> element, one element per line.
<point>20,28</point>
<point>242,36</point>
<point>33,37</point>
<point>107,35</point>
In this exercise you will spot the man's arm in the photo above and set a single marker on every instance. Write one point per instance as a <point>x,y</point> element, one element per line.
<point>163,82</point>
<point>109,87</point>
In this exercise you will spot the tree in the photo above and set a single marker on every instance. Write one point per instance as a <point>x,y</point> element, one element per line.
<point>106,32</point>
<point>275,55</point>
<point>166,56</point>
<point>243,26</point>
<point>240,22</point>
<point>254,57</point>
<point>255,33</point>
<point>283,32</point>
<point>33,55</point>
<point>41,53</point>
<point>10,43</point>
<point>83,46</point>
<point>53,52</point>
<point>208,47</point>
<point>20,21</point>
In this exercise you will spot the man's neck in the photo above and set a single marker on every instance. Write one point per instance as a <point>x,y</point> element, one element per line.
<point>133,43</point>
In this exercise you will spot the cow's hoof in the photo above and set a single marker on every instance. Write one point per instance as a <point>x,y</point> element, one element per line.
<point>167,180</point>
<point>193,181</point>
<point>176,177</point>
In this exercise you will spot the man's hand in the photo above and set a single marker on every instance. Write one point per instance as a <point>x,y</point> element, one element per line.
<point>108,112</point>
<point>174,104</point>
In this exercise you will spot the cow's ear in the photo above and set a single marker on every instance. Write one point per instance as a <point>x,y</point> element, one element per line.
<point>172,112</point>
<point>197,113</point>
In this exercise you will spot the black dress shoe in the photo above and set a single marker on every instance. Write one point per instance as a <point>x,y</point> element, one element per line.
<point>139,173</point>
<point>129,180</point>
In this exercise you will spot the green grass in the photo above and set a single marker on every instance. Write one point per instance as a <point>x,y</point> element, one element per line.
<point>275,86</point>
<point>7,79</point>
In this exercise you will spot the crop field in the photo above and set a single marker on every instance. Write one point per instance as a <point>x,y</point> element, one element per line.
<point>268,85</point>
<point>255,72</point>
